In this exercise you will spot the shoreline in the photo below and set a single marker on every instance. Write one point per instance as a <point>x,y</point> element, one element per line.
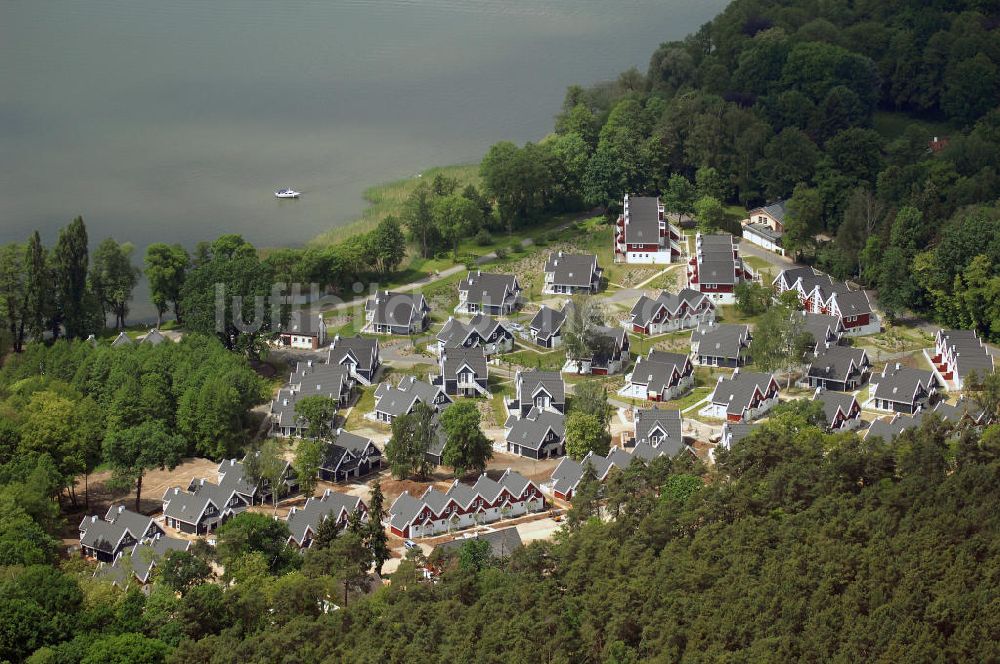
<point>386,198</point>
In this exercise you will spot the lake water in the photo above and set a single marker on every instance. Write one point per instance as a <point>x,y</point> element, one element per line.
<point>176,120</point>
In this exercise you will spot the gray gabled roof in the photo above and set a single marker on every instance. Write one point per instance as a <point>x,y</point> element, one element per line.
<point>776,210</point>
<point>306,519</point>
<point>720,340</point>
<point>790,276</point>
<point>363,350</point>
<point>646,307</point>
<point>304,323</point>
<point>834,401</point>
<point>141,558</point>
<point>153,338</point>
<point>572,269</point>
<point>454,358</point>
<point>716,262</point>
<point>664,422</point>
<point>346,446</point>
<point>656,369</point>
<point>969,352</point>
<point>850,302</point>
<point>105,534</point>
<point>189,506</point>
<point>502,542</point>
<point>765,232</point>
<point>395,401</point>
<point>900,384</point>
<point>737,391</point>
<point>122,339</point>
<point>642,225</point>
<point>568,473</point>
<point>406,507</point>
<point>531,430</point>
<point>821,326</point>
<point>737,431</point>
<point>455,332</point>
<point>547,322</point>
<point>485,288</point>
<point>312,378</point>
<point>965,408</point>
<point>838,363</point>
<point>530,382</point>
<point>887,429</point>
<point>396,309</point>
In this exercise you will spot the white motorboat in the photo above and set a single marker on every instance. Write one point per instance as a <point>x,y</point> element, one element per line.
<point>286,193</point>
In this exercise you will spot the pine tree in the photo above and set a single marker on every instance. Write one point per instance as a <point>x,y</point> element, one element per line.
<point>377,541</point>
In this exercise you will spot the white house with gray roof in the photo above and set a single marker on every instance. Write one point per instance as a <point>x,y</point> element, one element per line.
<point>669,312</point>
<point>957,355</point>
<point>965,413</point>
<point>358,354</point>
<point>743,397</point>
<point>716,269</point>
<point>463,506</point>
<point>387,312</point>
<point>721,345</point>
<point>120,528</point>
<point>659,376</point>
<point>391,402</point>
<point>305,330</point>
<point>304,522</point>
<point>488,293</point>
<point>819,293</point>
<point>540,434</point>
<point>643,235</point>
<point>764,226</point>
<point>570,274</point>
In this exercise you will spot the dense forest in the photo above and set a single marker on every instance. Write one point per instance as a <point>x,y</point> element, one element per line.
<point>797,546</point>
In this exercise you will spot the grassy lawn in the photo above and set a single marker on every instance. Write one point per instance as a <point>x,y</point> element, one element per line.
<point>728,313</point>
<point>552,360</point>
<point>898,339</point>
<point>388,198</point>
<point>691,398</point>
<point>365,404</point>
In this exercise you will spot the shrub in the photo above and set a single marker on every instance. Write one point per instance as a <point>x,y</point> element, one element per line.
<point>483,238</point>
<point>501,253</point>
<point>516,248</point>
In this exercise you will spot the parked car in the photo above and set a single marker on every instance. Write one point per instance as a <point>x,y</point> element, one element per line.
<point>409,544</point>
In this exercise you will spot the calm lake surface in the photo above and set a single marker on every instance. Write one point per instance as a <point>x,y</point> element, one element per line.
<point>177,120</point>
